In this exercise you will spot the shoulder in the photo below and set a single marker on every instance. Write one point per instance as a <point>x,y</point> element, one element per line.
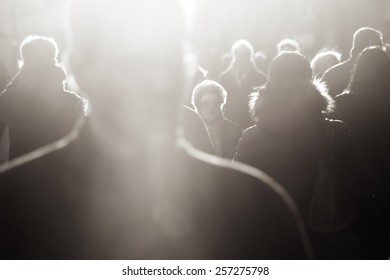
<point>335,70</point>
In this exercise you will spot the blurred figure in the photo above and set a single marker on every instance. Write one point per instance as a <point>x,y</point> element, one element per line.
<point>34,104</point>
<point>289,45</point>
<point>338,76</point>
<point>123,186</point>
<point>208,99</point>
<point>365,108</point>
<point>323,61</point>
<point>239,80</point>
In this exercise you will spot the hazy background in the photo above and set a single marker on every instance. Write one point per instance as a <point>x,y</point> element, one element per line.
<point>315,24</point>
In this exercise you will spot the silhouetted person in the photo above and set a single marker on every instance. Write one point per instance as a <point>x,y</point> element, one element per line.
<point>323,60</point>
<point>34,104</point>
<point>338,76</point>
<point>286,141</point>
<point>365,108</point>
<point>120,187</point>
<point>194,130</point>
<point>208,99</point>
<point>239,80</point>
<point>291,134</point>
<point>288,45</point>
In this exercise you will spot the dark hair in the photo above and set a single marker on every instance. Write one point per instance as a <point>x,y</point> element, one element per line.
<point>207,86</point>
<point>291,77</point>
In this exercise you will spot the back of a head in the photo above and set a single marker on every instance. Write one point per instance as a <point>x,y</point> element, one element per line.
<point>366,37</point>
<point>38,52</point>
<point>372,72</point>
<point>290,68</point>
<point>289,45</point>
<point>290,87</point>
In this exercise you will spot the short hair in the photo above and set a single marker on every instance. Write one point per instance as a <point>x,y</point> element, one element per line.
<point>207,86</point>
<point>36,47</point>
<point>243,43</point>
<point>365,37</point>
<point>290,43</point>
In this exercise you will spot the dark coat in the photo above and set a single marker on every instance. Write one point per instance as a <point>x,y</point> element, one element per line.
<point>37,109</point>
<point>77,203</point>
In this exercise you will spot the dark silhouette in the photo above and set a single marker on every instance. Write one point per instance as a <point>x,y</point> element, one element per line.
<point>4,77</point>
<point>34,105</point>
<point>194,130</point>
<point>338,76</point>
<point>208,99</point>
<point>289,45</point>
<point>119,187</point>
<point>239,80</point>
<point>365,108</point>
<point>323,60</point>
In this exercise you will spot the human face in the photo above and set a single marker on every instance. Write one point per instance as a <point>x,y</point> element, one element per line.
<point>209,107</point>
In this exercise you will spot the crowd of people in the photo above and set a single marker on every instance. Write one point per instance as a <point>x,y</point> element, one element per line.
<point>119,168</point>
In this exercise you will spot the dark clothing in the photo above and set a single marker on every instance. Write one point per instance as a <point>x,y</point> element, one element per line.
<point>195,130</point>
<point>4,143</point>
<point>337,77</point>
<point>77,203</point>
<point>367,114</point>
<point>225,138</point>
<point>37,110</point>
<point>238,91</point>
<point>292,159</point>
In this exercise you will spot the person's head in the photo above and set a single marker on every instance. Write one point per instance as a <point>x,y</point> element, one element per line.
<point>365,37</point>
<point>126,55</point>
<point>38,51</point>
<point>242,53</point>
<point>371,73</point>
<point>291,95</point>
<point>289,45</point>
<point>323,61</point>
<point>208,99</point>
<point>290,68</point>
